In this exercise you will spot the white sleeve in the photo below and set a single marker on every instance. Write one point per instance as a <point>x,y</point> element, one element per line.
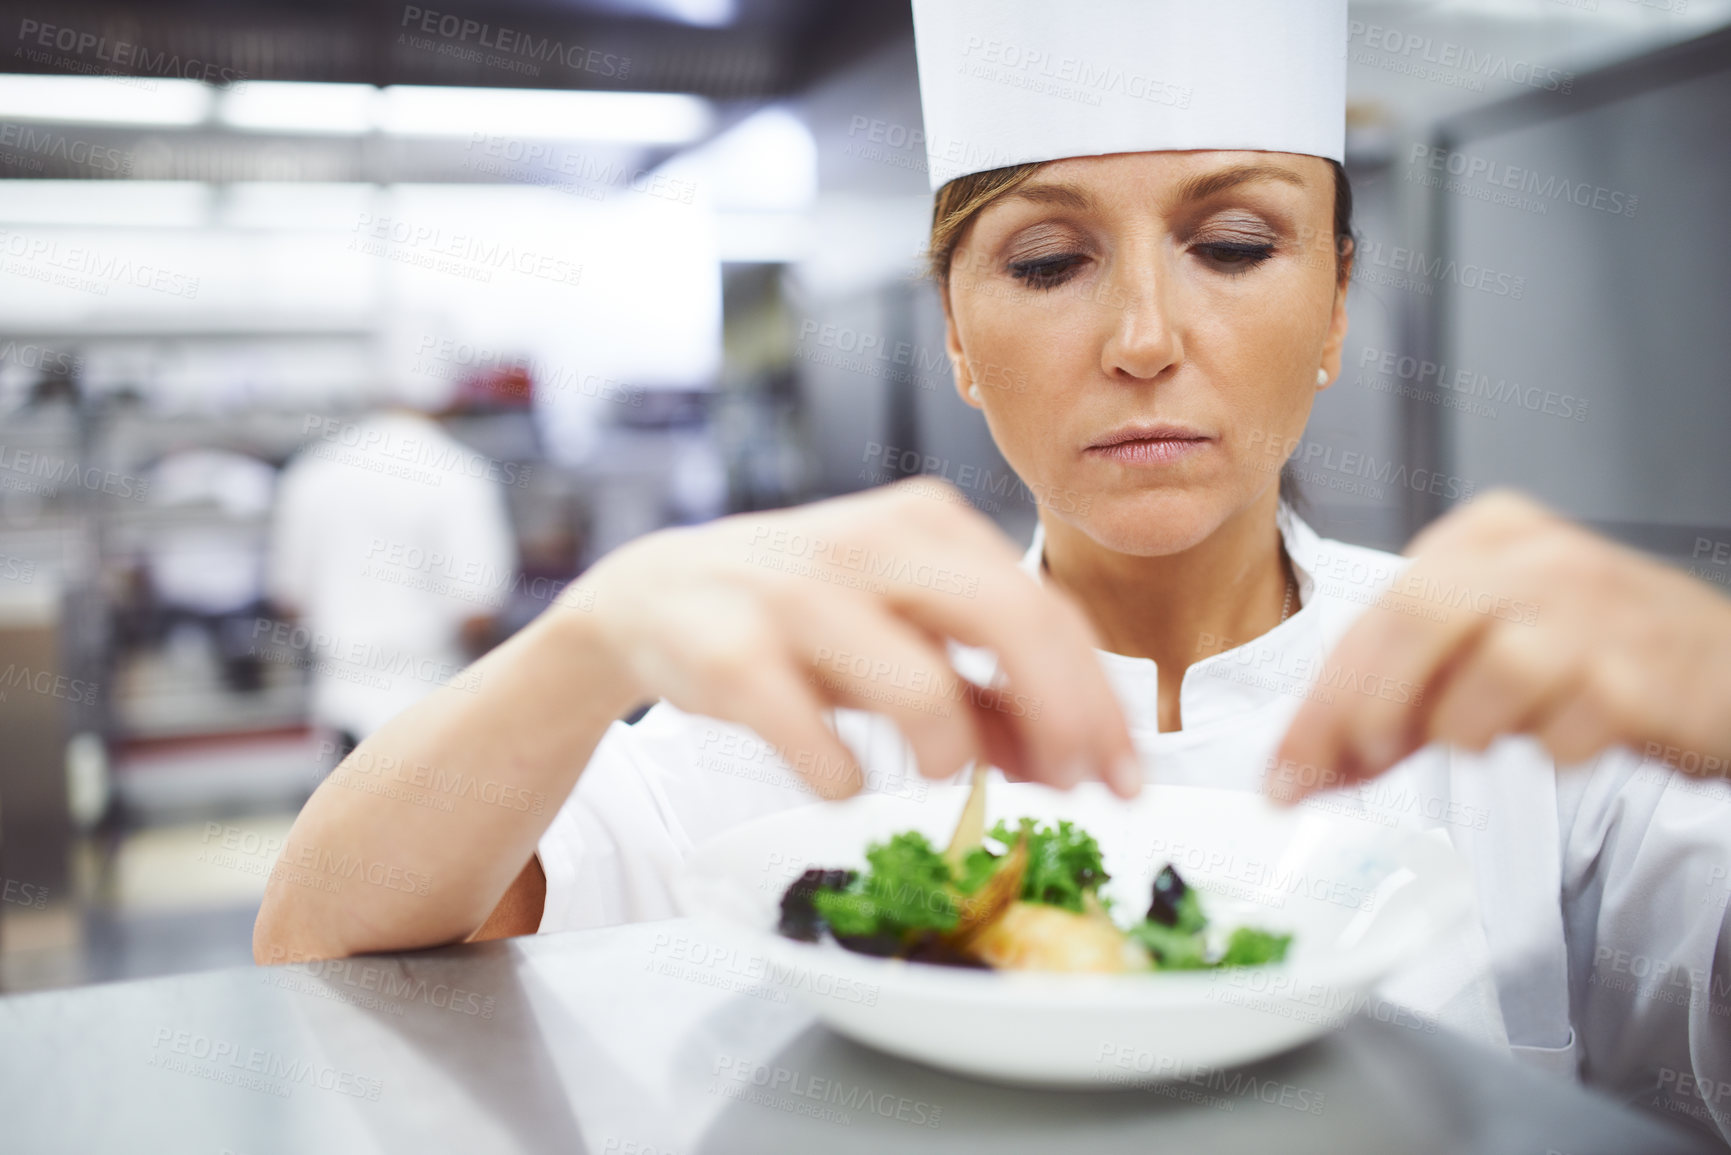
<point>650,793</point>
<point>1646,853</point>
<point>614,849</point>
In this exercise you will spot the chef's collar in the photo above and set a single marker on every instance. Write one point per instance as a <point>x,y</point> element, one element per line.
<point>1270,671</point>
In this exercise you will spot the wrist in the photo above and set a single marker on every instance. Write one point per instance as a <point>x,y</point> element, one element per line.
<point>571,633</point>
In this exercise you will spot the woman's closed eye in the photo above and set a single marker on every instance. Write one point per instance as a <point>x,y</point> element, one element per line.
<point>1047,271</point>
<point>1234,257</point>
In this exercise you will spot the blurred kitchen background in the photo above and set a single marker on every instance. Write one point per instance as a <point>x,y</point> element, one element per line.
<point>535,277</point>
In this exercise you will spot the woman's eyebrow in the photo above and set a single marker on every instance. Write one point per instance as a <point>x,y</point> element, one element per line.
<point>1066,195</point>
<point>1196,188</point>
<point>1213,183</point>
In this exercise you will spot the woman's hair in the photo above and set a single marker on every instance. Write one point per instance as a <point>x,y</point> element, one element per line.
<point>963,199</point>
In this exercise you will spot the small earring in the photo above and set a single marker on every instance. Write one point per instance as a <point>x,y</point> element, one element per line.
<point>1322,376</point>
<point>974,392</point>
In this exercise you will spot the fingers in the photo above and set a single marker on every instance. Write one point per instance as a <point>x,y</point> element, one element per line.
<point>1590,717</point>
<point>1439,628</point>
<point>1581,672</point>
<point>1435,629</point>
<point>1355,735</point>
<point>716,652</point>
<point>1004,749</point>
<point>1055,698</point>
<point>865,592</point>
<point>1576,730</point>
<point>951,573</point>
<point>1495,521</point>
<point>772,698</point>
<point>857,655</point>
<point>1502,685</point>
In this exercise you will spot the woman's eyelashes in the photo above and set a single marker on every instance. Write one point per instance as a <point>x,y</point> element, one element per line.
<point>1048,270</point>
<point>1232,253</point>
<point>1234,256</point>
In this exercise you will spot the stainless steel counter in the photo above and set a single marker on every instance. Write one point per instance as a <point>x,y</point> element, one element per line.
<point>653,1040</point>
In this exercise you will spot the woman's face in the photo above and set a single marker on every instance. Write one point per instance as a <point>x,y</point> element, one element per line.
<point>1145,331</point>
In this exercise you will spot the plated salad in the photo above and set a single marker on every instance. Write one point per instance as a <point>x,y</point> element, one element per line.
<point>1032,903</point>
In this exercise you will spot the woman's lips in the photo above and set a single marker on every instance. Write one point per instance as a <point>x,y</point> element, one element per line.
<point>1149,446</point>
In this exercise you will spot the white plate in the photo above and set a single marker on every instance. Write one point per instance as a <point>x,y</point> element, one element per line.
<point>1359,899</point>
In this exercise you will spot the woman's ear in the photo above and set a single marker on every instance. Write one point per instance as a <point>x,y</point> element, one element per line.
<point>1337,322</point>
<point>964,376</point>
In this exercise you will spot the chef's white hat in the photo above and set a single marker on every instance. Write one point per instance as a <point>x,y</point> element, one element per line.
<point>1011,81</point>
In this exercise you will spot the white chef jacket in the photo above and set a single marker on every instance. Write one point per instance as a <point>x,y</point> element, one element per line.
<point>388,534</point>
<point>1601,950</point>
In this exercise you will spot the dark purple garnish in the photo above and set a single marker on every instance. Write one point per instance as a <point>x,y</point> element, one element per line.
<point>1169,891</point>
<point>877,945</point>
<point>799,918</point>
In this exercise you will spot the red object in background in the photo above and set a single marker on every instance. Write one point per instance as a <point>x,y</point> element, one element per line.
<point>509,387</point>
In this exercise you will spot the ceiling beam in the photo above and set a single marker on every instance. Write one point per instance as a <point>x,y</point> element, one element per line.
<point>773,49</point>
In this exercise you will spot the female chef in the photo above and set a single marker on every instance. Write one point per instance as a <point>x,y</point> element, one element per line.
<point>1143,246</point>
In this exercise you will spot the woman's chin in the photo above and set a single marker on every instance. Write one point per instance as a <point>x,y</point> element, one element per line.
<point>1152,524</point>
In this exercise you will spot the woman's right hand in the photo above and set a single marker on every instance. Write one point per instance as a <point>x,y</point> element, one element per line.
<point>767,619</point>
<point>761,619</point>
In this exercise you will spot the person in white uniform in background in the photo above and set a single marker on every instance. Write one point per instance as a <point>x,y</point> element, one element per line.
<point>212,572</point>
<point>391,549</point>
<point>1143,296</point>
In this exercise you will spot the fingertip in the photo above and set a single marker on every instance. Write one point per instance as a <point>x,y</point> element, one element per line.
<point>1279,772</point>
<point>847,782</point>
<point>1071,773</point>
<point>932,772</point>
<point>1125,776</point>
<point>1281,792</point>
<point>1298,770</point>
<point>1377,751</point>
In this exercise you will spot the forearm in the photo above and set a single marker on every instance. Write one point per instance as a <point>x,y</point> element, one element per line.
<point>414,838</point>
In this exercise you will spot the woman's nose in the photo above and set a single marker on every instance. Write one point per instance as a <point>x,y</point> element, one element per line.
<point>1142,341</point>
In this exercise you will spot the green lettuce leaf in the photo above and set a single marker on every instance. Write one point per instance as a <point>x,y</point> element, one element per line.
<point>906,889</point>
<point>1190,916</point>
<point>1064,862</point>
<point>1173,949</point>
<point>977,868</point>
<point>1250,947</point>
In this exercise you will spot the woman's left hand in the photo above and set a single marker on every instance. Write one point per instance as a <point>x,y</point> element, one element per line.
<point>1543,629</point>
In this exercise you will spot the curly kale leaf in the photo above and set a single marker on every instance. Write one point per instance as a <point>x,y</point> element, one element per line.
<point>1173,949</point>
<point>1184,944</point>
<point>1191,920</point>
<point>906,889</point>
<point>1249,947</point>
<point>977,869</point>
<point>1064,862</point>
